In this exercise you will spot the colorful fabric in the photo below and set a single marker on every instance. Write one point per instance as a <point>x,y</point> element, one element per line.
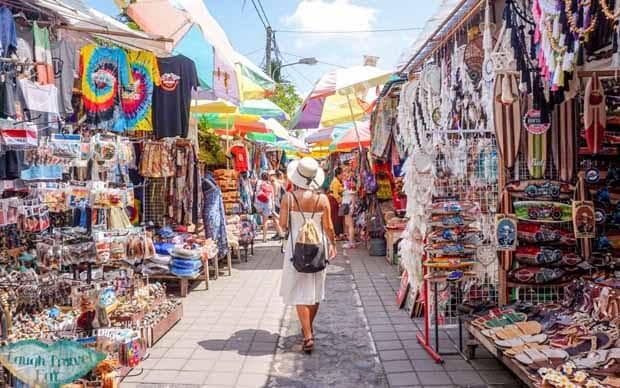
<point>103,70</point>
<point>137,99</point>
<point>43,54</point>
<point>214,216</point>
<point>8,36</point>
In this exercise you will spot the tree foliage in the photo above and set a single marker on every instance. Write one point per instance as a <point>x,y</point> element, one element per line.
<point>286,97</point>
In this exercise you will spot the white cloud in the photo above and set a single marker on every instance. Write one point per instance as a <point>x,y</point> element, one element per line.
<point>330,15</point>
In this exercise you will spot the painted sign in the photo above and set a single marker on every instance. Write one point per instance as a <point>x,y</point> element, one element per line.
<point>506,232</point>
<point>42,365</point>
<point>584,219</point>
<point>534,123</point>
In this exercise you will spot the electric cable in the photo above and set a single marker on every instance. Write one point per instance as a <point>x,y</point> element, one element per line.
<point>351,31</point>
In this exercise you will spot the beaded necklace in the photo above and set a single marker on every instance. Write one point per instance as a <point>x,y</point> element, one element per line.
<point>572,20</point>
<point>608,13</point>
<point>555,45</point>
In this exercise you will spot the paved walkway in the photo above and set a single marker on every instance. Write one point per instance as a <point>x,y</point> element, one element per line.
<point>239,334</point>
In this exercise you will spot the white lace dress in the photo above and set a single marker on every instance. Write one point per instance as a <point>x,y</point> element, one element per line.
<point>296,287</point>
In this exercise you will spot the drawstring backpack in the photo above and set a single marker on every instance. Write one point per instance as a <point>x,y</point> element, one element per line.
<point>308,251</point>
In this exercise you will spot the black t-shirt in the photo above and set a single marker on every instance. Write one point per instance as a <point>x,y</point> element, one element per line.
<point>172,98</point>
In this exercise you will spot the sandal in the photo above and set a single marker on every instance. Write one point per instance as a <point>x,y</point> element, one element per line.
<point>308,345</point>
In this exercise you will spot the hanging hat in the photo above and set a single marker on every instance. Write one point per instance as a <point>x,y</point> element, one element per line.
<point>306,173</point>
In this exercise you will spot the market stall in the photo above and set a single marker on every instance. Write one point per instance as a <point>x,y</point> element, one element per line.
<point>105,204</point>
<point>509,122</point>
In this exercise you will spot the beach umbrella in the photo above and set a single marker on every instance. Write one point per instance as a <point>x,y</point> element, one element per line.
<point>357,135</point>
<point>339,92</point>
<point>264,108</point>
<point>212,106</point>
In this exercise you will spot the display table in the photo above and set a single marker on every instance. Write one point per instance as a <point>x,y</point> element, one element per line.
<point>477,338</point>
<point>182,281</point>
<point>391,238</point>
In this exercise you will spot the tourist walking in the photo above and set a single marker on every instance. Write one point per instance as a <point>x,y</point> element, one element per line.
<point>304,203</point>
<point>349,196</point>
<point>336,190</point>
<point>265,205</point>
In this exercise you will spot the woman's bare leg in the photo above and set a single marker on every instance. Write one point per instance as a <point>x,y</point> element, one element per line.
<point>304,313</point>
<point>314,309</point>
<point>265,220</point>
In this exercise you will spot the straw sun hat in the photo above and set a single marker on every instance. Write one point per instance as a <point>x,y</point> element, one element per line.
<point>306,173</point>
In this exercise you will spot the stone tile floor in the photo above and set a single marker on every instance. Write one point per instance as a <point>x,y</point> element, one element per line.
<point>239,334</point>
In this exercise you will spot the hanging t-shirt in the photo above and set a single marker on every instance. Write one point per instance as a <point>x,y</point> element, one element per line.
<point>103,70</point>
<point>43,54</point>
<point>8,37</point>
<point>137,99</point>
<point>64,59</point>
<point>240,153</point>
<point>172,98</point>
<point>25,39</point>
<point>40,104</point>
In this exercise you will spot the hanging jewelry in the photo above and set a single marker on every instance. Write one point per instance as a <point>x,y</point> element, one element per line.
<point>608,13</point>
<point>572,20</point>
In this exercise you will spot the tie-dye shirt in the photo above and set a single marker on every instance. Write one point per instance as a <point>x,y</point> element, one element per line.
<point>103,71</point>
<point>136,100</point>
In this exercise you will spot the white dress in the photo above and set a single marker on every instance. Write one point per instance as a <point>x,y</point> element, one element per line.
<point>296,287</point>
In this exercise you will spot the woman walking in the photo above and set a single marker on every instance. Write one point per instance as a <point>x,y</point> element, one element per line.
<point>348,203</point>
<point>264,204</point>
<point>305,290</point>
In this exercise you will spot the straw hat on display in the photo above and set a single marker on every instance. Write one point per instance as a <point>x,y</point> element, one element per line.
<point>306,173</point>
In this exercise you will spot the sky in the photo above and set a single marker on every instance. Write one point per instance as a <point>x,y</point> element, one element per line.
<point>247,34</point>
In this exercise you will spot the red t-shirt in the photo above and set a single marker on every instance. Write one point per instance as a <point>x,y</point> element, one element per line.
<point>240,153</point>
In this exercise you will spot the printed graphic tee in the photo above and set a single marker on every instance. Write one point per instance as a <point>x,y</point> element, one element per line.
<point>64,59</point>
<point>137,99</point>
<point>104,71</point>
<point>172,98</point>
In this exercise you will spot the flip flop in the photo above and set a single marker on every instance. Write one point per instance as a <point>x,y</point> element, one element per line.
<point>589,344</point>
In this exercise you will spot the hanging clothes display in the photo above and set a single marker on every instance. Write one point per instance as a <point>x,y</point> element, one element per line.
<point>104,71</point>
<point>214,217</point>
<point>136,100</point>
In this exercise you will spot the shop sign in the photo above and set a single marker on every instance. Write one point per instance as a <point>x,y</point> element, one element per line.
<point>403,290</point>
<point>534,123</point>
<point>506,232</point>
<point>42,365</point>
<point>584,219</point>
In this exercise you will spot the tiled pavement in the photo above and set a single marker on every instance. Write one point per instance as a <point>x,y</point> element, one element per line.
<point>239,334</point>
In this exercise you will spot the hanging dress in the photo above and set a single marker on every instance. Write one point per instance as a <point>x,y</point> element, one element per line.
<point>298,288</point>
<point>214,217</point>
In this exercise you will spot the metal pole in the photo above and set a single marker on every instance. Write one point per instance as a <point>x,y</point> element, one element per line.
<point>227,146</point>
<point>357,134</point>
<point>268,52</point>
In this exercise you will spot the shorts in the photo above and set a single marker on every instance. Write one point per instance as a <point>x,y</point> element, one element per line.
<point>264,208</point>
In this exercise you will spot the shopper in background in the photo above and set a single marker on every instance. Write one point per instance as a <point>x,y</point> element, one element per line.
<point>265,205</point>
<point>305,290</point>
<point>277,194</point>
<point>335,199</point>
<point>348,202</point>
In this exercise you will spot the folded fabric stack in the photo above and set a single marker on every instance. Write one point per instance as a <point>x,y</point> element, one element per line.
<point>185,262</point>
<point>159,264</point>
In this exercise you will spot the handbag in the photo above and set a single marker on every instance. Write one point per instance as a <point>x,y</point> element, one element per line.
<point>370,182</point>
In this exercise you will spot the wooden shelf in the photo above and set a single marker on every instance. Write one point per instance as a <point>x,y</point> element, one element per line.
<point>510,363</point>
